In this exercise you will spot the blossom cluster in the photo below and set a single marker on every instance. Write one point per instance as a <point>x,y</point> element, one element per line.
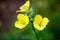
<point>23,20</point>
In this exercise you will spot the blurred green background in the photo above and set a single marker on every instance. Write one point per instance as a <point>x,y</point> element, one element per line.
<point>46,8</point>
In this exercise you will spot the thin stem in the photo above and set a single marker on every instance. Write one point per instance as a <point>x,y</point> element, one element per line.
<point>35,32</point>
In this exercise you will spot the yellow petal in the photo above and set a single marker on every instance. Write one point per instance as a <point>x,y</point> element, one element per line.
<point>38,27</point>
<point>39,22</point>
<point>24,7</point>
<point>19,25</point>
<point>45,21</point>
<point>22,17</point>
<point>37,18</point>
<point>22,22</point>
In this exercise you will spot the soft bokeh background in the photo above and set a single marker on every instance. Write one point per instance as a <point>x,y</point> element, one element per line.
<point>46,8</point>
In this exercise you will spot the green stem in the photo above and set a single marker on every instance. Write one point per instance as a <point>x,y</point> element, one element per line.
<point>35,32</point>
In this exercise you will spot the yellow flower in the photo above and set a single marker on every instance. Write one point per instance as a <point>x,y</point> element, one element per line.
<point>25,7</point>
<point>39,22</point>
<point>22,22</point>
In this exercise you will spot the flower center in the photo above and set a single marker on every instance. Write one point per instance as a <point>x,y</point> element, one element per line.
<point>40,23</point>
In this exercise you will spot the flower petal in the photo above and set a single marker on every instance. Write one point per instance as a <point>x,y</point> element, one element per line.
<point>25,7</point>
<point>19,25</point>
<point>22,17</point>
<point>45,21</point>
<point>37,18</point>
